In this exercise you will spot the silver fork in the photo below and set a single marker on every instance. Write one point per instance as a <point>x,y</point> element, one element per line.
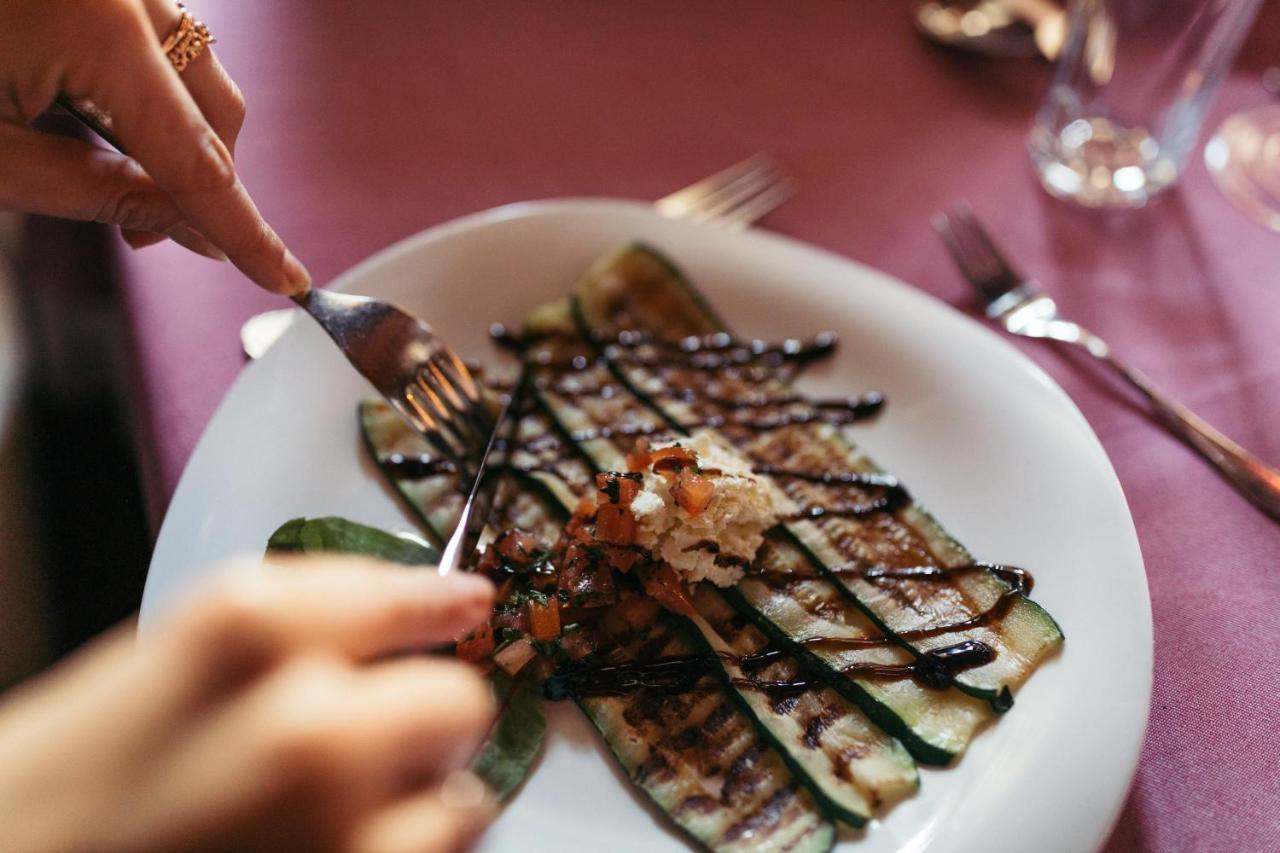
<point>431,388</point>
<point>1016,303</point>
<point>733,198</point>
<point>420,377</point>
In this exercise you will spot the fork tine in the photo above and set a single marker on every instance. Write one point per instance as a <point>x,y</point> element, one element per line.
<point>450,421</point>
<point>943,225</point>
<point>460,390</point>
<point>432,377</point>
<point>755,208</point>
<point>461,375</point>
<point>426,424</point>
<point>426,400</point>
<point>735,194</point>
<point>679,203</point>
<point>965,215</point>
<point>974,254</point>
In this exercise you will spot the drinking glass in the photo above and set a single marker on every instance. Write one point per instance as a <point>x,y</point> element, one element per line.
<point>1243,156</point>
<point>1130,93</point>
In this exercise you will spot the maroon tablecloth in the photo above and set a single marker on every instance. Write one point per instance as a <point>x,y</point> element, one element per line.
<point>368,122</point>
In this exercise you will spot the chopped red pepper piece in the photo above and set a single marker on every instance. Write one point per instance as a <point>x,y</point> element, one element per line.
<point>616,488</point>
<point>639,458</point>
<point>637,610</point>
<point>692,492</point>
<point>615,525</point>
<point>544,620</point>
<point>577,644</point>
<point>669,461</point>
<point>666,588</point>
<point>517,546</point>
<point>622,559</point>
<point>584,580</point>
<point>477,645</point>
<point>513,656</point>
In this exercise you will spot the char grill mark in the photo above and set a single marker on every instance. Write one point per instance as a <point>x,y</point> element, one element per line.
<point>768,815</point>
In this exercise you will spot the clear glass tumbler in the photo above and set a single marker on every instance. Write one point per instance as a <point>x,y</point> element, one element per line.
<point>1132,86</point>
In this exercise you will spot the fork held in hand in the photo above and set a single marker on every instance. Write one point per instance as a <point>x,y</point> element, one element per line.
<point>1017,304</point>
<point>430,386</point>
<point>422,379</point>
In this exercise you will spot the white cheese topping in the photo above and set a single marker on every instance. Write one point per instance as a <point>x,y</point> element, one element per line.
<point>742,508</point>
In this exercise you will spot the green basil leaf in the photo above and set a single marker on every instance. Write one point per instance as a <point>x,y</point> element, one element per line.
<point>513,743</point>
<point>338,535</point>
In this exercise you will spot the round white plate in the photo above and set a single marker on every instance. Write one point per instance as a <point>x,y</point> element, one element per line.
<point>980,435</point>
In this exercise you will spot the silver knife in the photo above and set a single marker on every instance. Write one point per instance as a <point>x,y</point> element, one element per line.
<point>475,512</point>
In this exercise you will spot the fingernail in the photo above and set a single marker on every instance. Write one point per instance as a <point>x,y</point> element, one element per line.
<point>191,239</point>
<point>467,585</point>
<point>295,274</point>
<point>463,789</point>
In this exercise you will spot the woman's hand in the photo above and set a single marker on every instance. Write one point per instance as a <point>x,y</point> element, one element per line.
<point>180,130</point>
<point>268,714</point>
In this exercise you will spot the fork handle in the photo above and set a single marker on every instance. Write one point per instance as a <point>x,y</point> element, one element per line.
<point>1258,481</point>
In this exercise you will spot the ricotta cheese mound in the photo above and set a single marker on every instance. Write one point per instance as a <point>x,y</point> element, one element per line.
<point>743,506</point>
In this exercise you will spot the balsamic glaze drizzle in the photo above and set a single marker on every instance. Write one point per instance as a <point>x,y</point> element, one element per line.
<point>757,412</point>
<point>935,669</point>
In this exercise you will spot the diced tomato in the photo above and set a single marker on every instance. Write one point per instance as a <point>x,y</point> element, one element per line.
<point>586,582</point>
<point>669,461</point>
<point>488,562</point>
<point>692,492</point>
<point>517,619</point>
<point>637,610</point>
<point>577,644</point>
<point>664,585</point>
<point>505,589</point>
<point>579,526</point>
<point>518,547</point>
<point>544,620</point>
<point>616,488</point>
<point>476,646</point>
<point>513,656</point>
<point>615,525</point>
<point>541,669</point>
<point>622,559</point>
<point>639,458</point>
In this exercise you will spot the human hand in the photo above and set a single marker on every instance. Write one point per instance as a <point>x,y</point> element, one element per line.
<point>264,715</point>
<point>181,131</point>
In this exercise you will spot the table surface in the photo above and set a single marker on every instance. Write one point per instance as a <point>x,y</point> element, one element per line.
<point>365,128</point>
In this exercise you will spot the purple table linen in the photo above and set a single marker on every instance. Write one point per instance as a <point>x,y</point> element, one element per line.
<point>369,122</point>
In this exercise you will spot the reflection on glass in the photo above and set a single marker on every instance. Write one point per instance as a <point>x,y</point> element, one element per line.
<point>1130,93</point>
<point>1244,158</point>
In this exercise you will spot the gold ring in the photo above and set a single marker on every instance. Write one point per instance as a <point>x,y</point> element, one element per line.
<point>185,44</point>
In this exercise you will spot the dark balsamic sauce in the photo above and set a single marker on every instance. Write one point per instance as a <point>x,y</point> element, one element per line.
<point>1020,582</point>
<point>417,466</point>
<point>669,675</point>
<point>894,495</point>
<point>812,512</point>
<point>713,547</point>
<point>1020,579</point>
<point>716,351</point>
<point>757,413</point>
<point>935,669</point>
<point>505,338</point>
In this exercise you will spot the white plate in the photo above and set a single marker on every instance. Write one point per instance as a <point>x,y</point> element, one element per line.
<point>979,434</point>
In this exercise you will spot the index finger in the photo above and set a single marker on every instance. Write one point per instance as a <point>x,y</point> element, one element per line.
<point>159,122</point>
<point>354,607</point>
